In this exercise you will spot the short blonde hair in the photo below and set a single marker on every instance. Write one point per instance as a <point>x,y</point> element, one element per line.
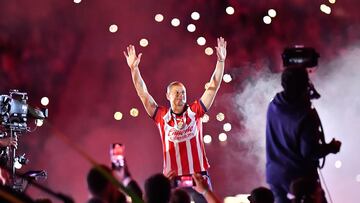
<point>173,84</point>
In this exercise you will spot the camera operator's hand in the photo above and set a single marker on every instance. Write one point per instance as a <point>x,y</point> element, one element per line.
<point>334,146</point>
<point>9,141</point>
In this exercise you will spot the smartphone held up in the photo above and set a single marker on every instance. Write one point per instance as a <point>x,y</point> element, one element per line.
<point>117,151</point>
<point>184,181</point>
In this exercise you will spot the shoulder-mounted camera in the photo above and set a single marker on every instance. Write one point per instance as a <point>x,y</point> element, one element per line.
<point>300,56</point>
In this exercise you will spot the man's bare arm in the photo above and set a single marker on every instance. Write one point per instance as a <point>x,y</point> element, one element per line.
<point>213,86</point>
<point>139,84</point>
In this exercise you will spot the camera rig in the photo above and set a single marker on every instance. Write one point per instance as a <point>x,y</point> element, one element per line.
<point>302,57</point>
<point>14,115</point>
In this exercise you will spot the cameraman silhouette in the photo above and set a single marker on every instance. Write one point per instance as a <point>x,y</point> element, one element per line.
<point>294,136</point>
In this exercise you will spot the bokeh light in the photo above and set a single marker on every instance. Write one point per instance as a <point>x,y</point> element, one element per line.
<point>159,17</point>
<point>134,112</point>
<point>191,28</point>
<point>118,116</point>
<point>195,15</point>
<point>227,78</point>
<point>201,41</point>
<point>272,13</point>
<point>209,51</point>
<point>220,116</point>
<point>44,101</point>
<point>222,137</point>
<point>113,28</point>
<point>227,127</point>
<point>338,164</point>
<point>267,20</point>
<point>325,9</point>
<point>205,118</point>
<point>230,10</point>
<point>144,42</point>
<point>175,22</point>
<point>207,139</point>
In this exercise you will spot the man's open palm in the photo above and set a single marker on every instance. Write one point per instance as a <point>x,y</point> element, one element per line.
<point>131,58</point>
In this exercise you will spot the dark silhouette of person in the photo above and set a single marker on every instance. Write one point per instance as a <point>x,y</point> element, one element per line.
<point>261,195</point>
<point>294,136</point>
<point>179,196</point>
<point>100,187</point>
<point>157,189</point>
<point>304,190</point>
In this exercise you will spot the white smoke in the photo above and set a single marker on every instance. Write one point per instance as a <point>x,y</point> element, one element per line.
<point>339,110</point>
<point>251,103</point>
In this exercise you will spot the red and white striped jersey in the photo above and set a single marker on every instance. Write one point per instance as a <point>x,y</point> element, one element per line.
<point>182,139</point>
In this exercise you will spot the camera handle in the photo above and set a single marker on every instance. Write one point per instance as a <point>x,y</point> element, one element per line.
<point>12,155</point>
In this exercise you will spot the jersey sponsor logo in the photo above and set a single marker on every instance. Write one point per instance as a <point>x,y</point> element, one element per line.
<point>176,135</point>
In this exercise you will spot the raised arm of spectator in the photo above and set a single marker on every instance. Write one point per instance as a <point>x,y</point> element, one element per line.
<point>133,61</point>
<point>209,95</point>
<point>202,187</point>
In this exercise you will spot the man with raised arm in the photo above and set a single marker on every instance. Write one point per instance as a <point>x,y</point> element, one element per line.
<point>180,125</point>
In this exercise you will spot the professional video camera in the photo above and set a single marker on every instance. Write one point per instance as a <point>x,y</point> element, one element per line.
<point>302,57</point>
<point>14,111</point>
<point>14,115</point>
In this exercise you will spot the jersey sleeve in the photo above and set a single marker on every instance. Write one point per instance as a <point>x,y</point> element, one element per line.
<point>198,107</point>
<point>159,113</point>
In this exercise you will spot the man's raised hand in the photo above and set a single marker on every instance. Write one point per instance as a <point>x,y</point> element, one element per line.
<point>221,49</point>
<point>131,58</point>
